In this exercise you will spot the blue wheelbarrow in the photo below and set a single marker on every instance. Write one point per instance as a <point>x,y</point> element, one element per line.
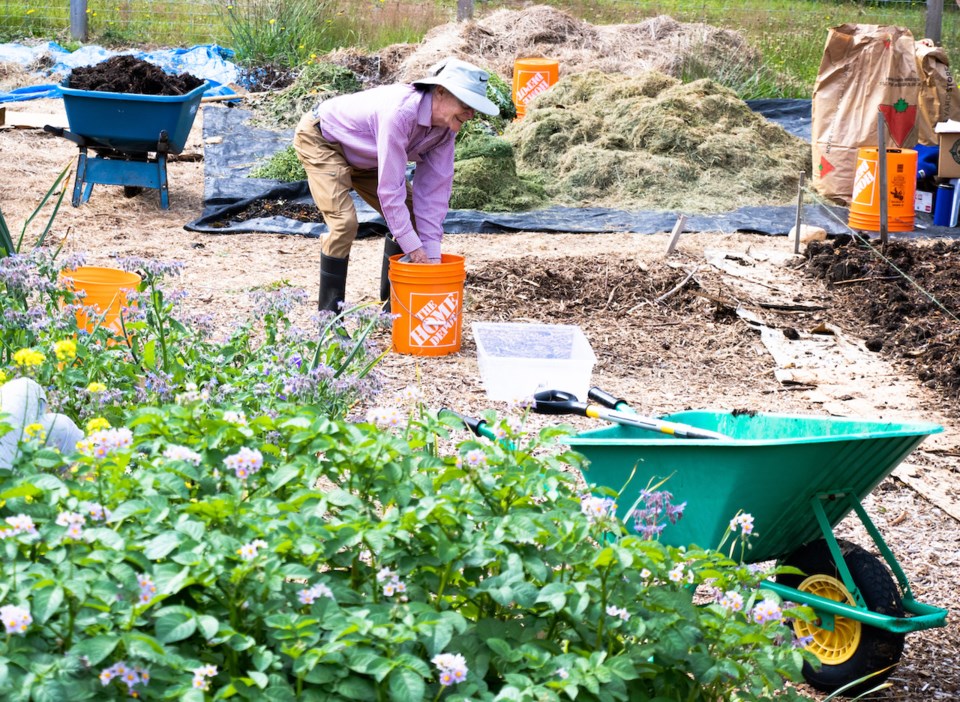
<point>131,136</point>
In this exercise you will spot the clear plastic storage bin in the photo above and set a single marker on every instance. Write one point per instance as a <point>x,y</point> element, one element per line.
<point>517,360</point>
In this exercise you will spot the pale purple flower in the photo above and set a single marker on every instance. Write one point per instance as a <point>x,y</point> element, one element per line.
<point>618,612</point>
<point>174,452</point>
<point>597,508</point>
<point>744,522</point>
<point>732,601</point>
<point>452,667</point>
<point>245,462</point>
<point>250,551</point>
<point>96,511</point>
<point>475,458</point>
<point>766,611</point>
<point>21,524</point>
<point>16,619</point>
<point>309,595</point>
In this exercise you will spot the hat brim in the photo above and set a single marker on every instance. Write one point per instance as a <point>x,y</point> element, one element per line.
<point>480,103</point>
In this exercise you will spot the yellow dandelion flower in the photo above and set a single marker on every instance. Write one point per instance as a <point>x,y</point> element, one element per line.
<point>30,12</point>
<point>273,21</point>
<point>3,377</point>
<point>28,358</point>
<point>65,350</point>
<point>96,387</point>
<point>97,424</point>
<point>35,431</point>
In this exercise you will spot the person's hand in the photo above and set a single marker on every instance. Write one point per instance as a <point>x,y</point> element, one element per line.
<point>419,256</point>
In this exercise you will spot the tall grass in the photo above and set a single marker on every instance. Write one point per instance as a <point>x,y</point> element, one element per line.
<point>789,33</point>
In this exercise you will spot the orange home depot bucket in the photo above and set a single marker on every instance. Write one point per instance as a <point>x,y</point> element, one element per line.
<point>901,189</point>
<point>427,301</point>
<point>105,290</point>
<point>532,76</point>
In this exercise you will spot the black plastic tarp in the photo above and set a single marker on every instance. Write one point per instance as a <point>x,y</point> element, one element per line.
<point>232,147</point>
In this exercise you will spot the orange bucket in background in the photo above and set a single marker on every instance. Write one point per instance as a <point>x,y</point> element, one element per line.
<point>532,76</point>
<point>105,290</point>
<point>427,301</point>
<point>901,189</point>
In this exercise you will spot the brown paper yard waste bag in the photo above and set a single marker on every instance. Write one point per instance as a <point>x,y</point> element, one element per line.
<point>865,68</point>
<point>938,100</point>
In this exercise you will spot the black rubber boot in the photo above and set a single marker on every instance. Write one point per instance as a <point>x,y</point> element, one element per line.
<point>333,283</point>
<point>390,248</point>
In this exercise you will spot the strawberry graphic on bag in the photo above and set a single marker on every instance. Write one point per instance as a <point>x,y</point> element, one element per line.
<point>900,118</point>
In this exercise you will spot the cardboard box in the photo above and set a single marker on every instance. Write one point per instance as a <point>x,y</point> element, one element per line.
<point>517,360</point>
<point>948,165</point>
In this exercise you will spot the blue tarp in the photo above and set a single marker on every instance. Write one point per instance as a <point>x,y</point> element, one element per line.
<point>207,62</point>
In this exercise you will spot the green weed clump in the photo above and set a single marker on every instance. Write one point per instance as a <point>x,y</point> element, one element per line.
<point>283,166</point>
<point>316,81</point>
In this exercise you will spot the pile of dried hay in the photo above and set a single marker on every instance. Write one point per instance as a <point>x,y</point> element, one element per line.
<point>652,142</point>
<point>497,40</point>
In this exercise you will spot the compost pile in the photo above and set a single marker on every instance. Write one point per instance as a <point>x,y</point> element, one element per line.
<point>905,300</point>
<point>652,142</point>
<point>128,74</point>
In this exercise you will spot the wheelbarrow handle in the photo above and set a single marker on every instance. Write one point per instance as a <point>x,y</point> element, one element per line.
<point>602,397</point>
<point>474,424</point>
<point>558,402</point>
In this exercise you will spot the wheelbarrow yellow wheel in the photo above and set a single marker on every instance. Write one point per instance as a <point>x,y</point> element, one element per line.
<point>836,646</point>
<point>850,650</point>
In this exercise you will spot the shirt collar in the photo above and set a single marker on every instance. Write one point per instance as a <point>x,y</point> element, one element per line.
<point>425,111</point>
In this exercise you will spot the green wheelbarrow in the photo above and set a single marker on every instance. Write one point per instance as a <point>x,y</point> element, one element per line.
<point>798,476</point>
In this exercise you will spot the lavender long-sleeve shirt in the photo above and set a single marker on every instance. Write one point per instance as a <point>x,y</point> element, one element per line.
<point>386,128</point>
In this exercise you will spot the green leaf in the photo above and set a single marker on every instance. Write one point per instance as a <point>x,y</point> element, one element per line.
<point>406,686</point>
<point>208,625</point>
<point>355,688</point>
<point>45,602</point>
<point>128,509</point>
<point>554,595</point>
<point>22,490</point>
<point>175,626</point>
<point>159,546</point>
<point>144,646</point>
<point>96,649</point>
<point>107,537</point>
<point>259,678</point>
<point>438,636</point>
<point>283,475</point>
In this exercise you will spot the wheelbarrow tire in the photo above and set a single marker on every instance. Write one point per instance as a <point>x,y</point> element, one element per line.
<point>876,651</point>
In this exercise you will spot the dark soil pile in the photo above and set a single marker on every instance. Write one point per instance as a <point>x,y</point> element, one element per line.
<point>272,208</point>
<point>906,300</point>
<point>127,74</point>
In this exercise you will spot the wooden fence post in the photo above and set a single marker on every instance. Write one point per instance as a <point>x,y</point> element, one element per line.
<point>934,23</point>
<point>78,19</point>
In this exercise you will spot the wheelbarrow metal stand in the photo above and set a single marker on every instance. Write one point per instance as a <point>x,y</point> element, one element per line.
<point>134,171</point>
<point>131,137</point>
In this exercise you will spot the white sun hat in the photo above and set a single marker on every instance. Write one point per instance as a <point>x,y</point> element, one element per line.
<point>465,81</point>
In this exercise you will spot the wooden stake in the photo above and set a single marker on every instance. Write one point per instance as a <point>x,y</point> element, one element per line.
<point>675,234</point>
<point>796,238</point>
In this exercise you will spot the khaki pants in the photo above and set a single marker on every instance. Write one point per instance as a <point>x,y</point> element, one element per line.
<point>331,179</point>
